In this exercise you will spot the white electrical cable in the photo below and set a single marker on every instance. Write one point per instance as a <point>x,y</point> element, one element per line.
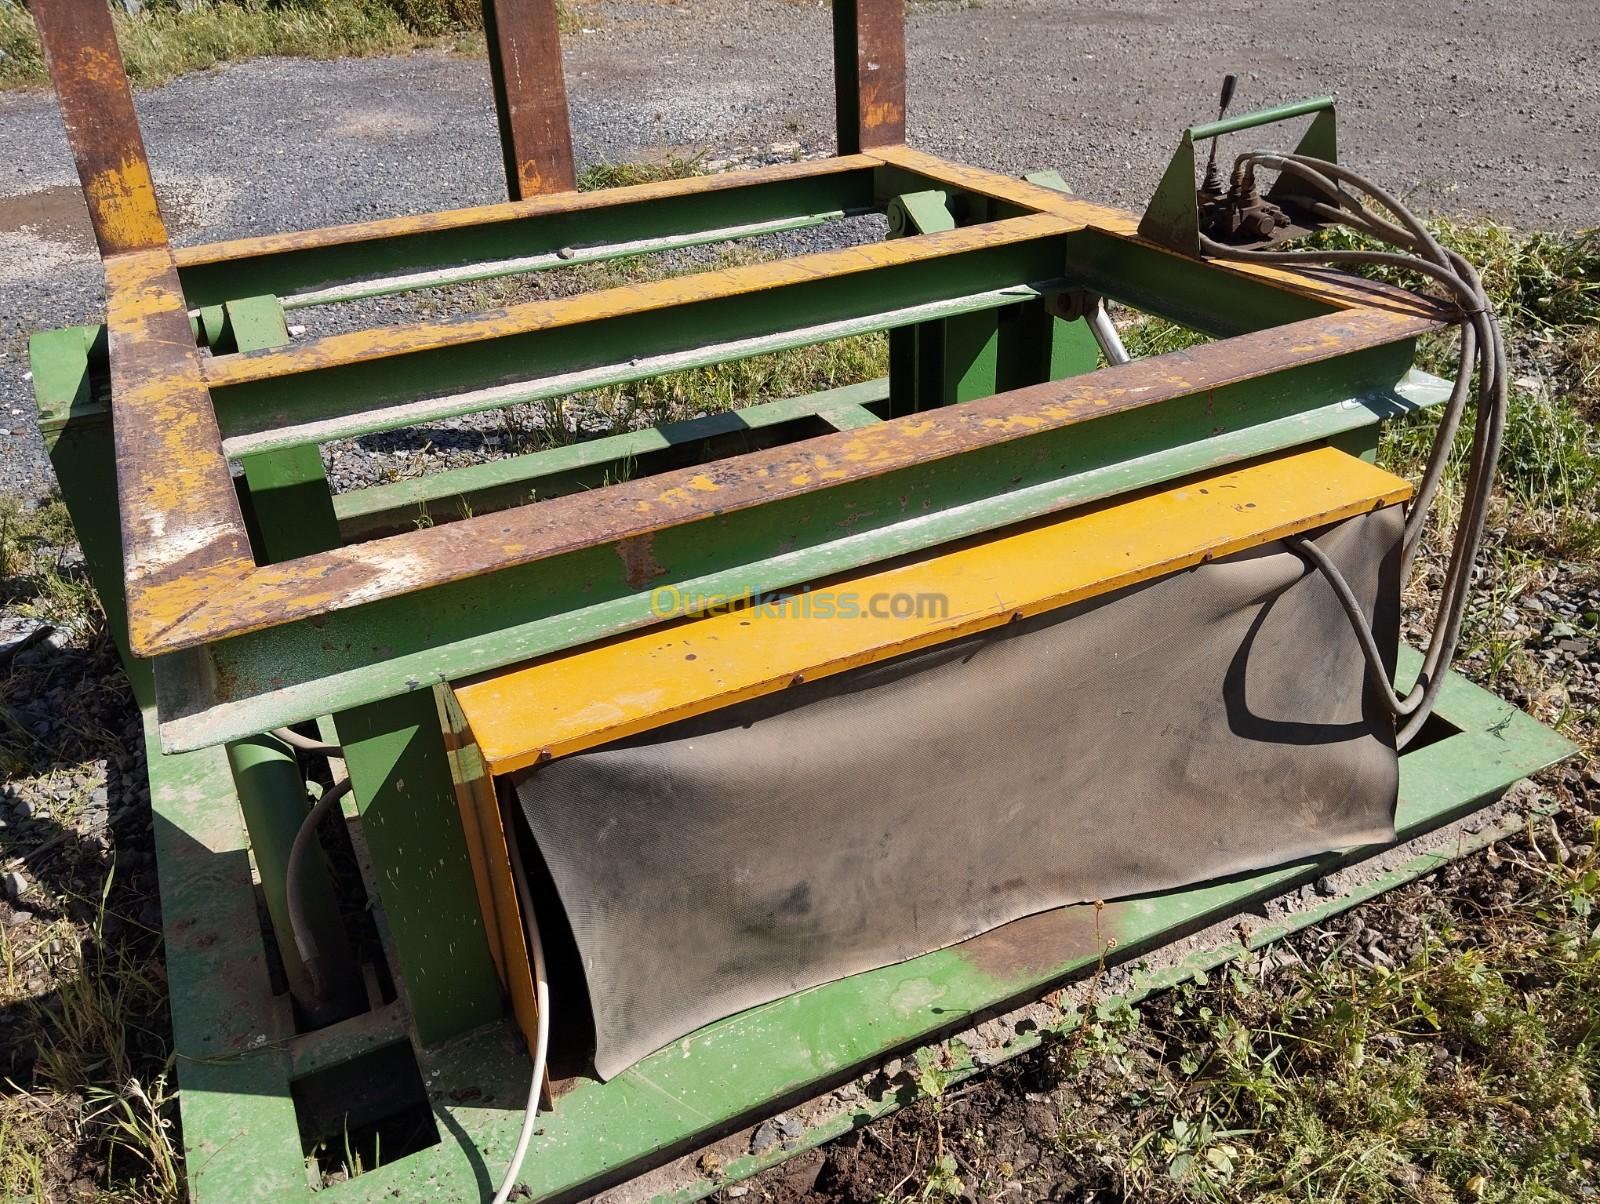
<point>541,1002</point>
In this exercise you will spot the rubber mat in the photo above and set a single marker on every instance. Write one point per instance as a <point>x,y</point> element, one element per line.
<point>1204,724</point>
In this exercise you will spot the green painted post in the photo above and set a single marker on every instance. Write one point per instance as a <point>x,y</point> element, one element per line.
<point>69,373</point>
<point>395,754</point>
<point>964,358</point>
<point>272,797</point>
<point>290,503</point>
<point>291,513</point>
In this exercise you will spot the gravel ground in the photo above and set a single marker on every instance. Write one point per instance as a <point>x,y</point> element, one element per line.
<point>1490,115</point>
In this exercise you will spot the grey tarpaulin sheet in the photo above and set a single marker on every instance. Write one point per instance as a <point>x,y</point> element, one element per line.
<point>1203,724</point>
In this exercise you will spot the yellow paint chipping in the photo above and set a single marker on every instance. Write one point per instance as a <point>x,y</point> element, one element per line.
<point>124,198</point>
<point>357,346</point>
<point>533,206</point>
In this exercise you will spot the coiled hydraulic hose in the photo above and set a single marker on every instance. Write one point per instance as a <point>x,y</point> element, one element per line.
<point>1482,352</point>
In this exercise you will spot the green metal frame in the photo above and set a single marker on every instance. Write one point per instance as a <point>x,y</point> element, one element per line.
<point>236,1060</point>
<point>267,602</point>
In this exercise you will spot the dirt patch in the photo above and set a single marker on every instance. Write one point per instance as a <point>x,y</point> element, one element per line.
<point>56,214</point>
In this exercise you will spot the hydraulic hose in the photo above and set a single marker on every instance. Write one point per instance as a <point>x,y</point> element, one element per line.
<point>306,744</point>
<point>1482,352</point>
<point>310,955</point>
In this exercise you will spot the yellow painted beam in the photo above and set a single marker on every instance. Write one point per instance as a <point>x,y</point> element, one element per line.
<point>358,346</point>
<point>183,536</point>
<point>510,211</point>
<point>578,700</point>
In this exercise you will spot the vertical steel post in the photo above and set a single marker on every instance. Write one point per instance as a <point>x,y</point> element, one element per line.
<point>530,95</point>
<point>399,768</point>
<point>80,48</point>
<point>394,753</point>
<point>272,797</point>
<point>869,73</point>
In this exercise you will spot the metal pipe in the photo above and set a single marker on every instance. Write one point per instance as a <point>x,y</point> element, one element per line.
<point>1245,121</point>
<point>384,286</point>
<point>272,796</point>
<point>1105,333</point>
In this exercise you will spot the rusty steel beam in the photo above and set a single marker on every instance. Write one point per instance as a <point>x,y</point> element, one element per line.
<point>530,96</point>
<point>182,530</point>
<point>85,62</point>
<point>626,514</point>
<point>869,73</point>
<point>755,280</point>
<point>1324,286</point>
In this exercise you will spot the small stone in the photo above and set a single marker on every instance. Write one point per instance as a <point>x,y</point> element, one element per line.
<point>765,1137</point>
<point>1324,886</point>
<point>790,1127</point>
<point>13,885</point>
<point>25,809</point>
<point>17,917</point>
<point>738,1191</point>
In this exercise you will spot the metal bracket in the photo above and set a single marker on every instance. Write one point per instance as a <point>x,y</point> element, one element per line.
<point>920,213</point>
<point>1172,218</point>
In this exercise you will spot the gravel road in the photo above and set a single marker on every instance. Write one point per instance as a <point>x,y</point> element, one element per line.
<point>1480,109</point>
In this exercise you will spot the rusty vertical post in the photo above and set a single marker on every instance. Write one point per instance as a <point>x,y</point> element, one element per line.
<point>530,95</point>
<point>869,73</point>
<point>80,47</point>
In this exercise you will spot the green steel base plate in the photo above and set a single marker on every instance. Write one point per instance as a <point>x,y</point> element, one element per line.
<point>236,1059</point>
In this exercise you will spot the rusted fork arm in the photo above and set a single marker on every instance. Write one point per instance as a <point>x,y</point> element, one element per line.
<point>175,616</point>
<point>181,524</point>
<point>180,515</point>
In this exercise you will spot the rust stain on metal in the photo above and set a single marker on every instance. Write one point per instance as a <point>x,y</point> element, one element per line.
<point>639,563</point>
<point>1036,944</point>
<point>530,96</point>
<point>870,58</point>
<point>341,349</point>
<point>351,576</point>
<point>183,535</point>
<point>80,46</point>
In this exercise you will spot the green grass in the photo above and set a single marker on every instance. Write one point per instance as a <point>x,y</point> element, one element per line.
<point>82,990</point>
<point>1436,1047</point>
<point>599,176</point>
<point>1464,1073</point>
<point>36,579</point>
<point>165,40</point>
